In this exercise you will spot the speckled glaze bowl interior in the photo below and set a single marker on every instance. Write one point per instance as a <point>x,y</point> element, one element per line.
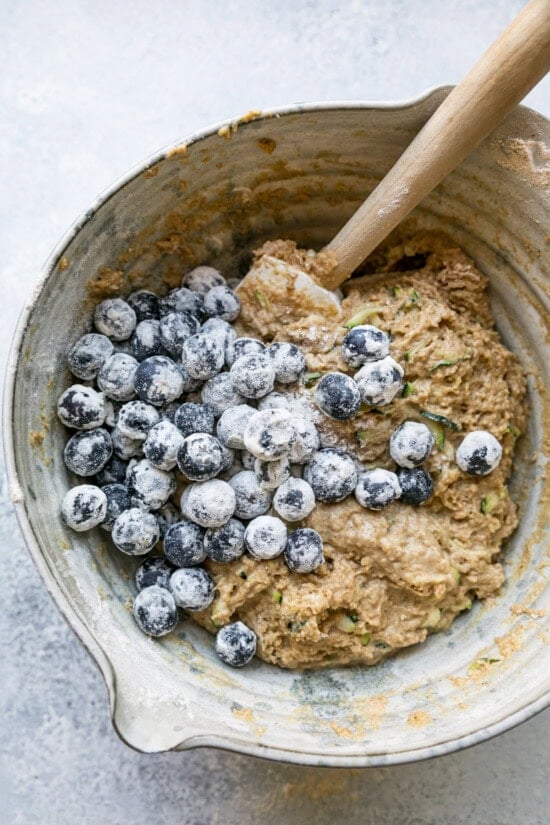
<point>296,173</point>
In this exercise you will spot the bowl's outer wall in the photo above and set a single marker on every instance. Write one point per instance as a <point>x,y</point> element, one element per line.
<point>296,174</point>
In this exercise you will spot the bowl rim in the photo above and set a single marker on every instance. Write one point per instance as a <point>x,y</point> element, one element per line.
<point>98,654</point>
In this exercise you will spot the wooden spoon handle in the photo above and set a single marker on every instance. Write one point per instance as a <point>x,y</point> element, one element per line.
<point>506,72</point>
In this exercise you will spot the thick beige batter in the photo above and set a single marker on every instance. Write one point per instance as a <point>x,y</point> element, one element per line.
<point>391,577</point>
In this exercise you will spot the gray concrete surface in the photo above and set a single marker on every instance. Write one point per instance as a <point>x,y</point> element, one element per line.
<point>86,90</point>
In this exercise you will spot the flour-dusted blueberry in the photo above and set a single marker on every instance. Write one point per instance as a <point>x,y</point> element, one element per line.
<point>115,318</point>
<point>289,362</point>
<point>248,460</point>
<point>232,424</point>
<point>275,401</point>
<point>271,474</point>
<point>228,458</point>
<point>220,394</point>
<point>294,500</point>
<point>338,396</point>
<point>87,452</point>
<point>135,532</point>
<point>269,434</point>
<point>192,587</point>
<point>155,611</point>
<point>250,499</point>
<point>377,489</point>
<point>479,453</point>
<point>162,444</point>
<point>365,343</point>
<point>208,503</point>
<point>306,441</point>
<point>84,507</point>
<point>235,644</point>
<point>222,302</point>
<point>411,443</point>
<point>150,487</point>
<point>124,447</point>
<point>81,408</point>
<point>226,543</point>
<point>146,340</point>
<point>158,380</point>
<point>265,537</point>
<point>238,347</point>
<point>202,279</point>
<point>175,328</point>
<point>380,381</point>
<point>153,570</point>
<point>88,355</point>
<point>253,375</point>
<point>184,544</point>
<point>117,376</point>
<point>183,300</point>
<point>304,551</point>
<point>136,418</point>
<point>221,330</point>
<point>166,516</point>
<point>416,485</point>
<point>202,356</point>
<point>200,457</point>
<point>332,475</point>
<point>145,304</point>
<point>118,500</point>
<point>191,417</point>
<point>114,471</point>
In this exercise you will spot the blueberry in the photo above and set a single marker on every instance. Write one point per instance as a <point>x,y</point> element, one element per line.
<point>155,611</point>
<point>146,340</point>
<point>232,424</point>
<point>175,328</point>
<point>271,474</point>
<point>275,401</point>
<point>117,375</point>
<point>365,343</point>
<point>416,485</point>
<point>153,570</point>
<point>220,394</point>
<point>202,279</point>
<point>238,347</point>
<point>331,474</point>
<point>306,441</point>
<point>479,453</point>
<point>226,543</point>
<point>118,500</point>
<point>265,537</point>
<point>248,460</point>
<point>269,434</point>
<point>380,381</point>
<point>158,380</point>
<point>88,355</point>
<point>135,532</point>
<point>338,396</point>
<point>114,472</point>
<point>289,362</point>
<point>125,447</point>
<point>115,318</point>
<point>220,330</point>
<point>208,503</point>
<point>222,302</point>
<point>84,507</point>
<point>136,418</point>
<point>410,444</point>
<point>81,408</point>
<point>183,300</point>
<point>250,499</point>
<point>228,459</point>
<point>253,375</point>
<point>294,500</point>
<point>194,418</point>
<point>304,550</point>
<point>235,644</point>
<point>202,356</point>
<point>145,304</point>
<point>200,457</point>
<point>87,452</point>
<point>150,487</point>
<point>184,544</point>
<point>162,444</point>
<point>192,587</point>
<point>377,488</point>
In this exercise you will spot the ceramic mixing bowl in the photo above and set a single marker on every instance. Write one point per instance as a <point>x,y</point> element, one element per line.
<point>294,173</point>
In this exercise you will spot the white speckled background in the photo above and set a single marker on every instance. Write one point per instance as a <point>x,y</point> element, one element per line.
<point>87,89</point>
